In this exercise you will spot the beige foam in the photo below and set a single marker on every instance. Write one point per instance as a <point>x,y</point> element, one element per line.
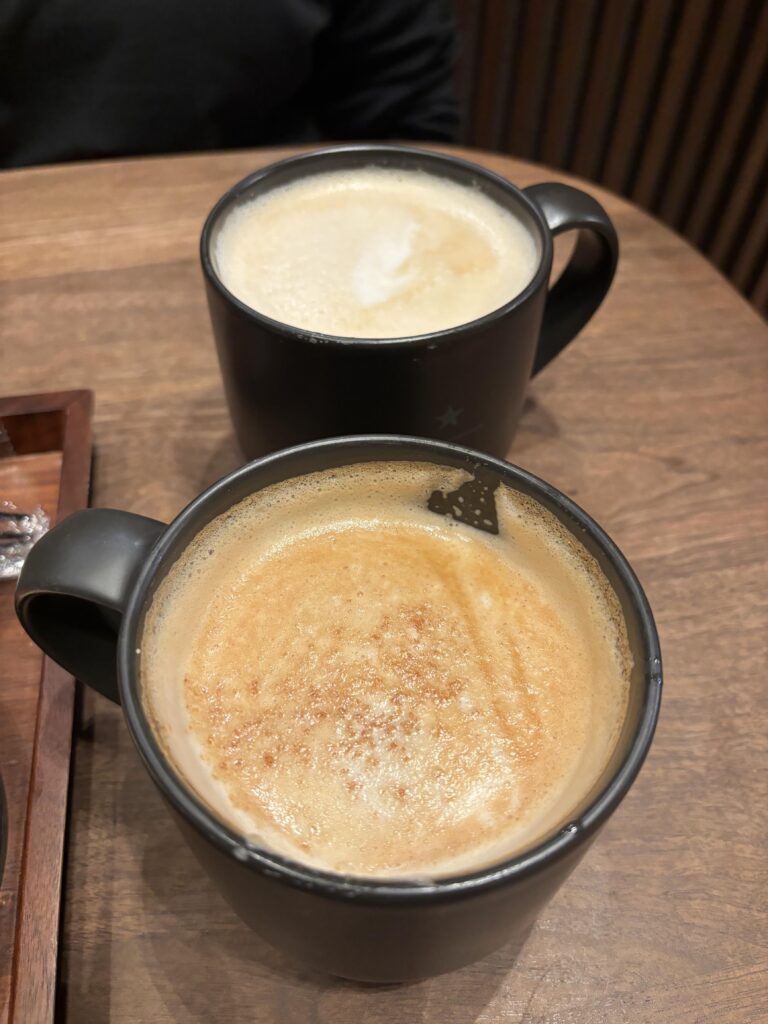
<point>369,687</point>
<point>374,253</point>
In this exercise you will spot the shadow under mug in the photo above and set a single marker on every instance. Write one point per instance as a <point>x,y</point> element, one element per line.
<point>286,385</point>
<point>83,595</point>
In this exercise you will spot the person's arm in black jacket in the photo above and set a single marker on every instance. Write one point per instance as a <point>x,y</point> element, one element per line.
<point>385,70</point>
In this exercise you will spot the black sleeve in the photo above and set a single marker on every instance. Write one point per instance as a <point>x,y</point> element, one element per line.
<point>384,69</point>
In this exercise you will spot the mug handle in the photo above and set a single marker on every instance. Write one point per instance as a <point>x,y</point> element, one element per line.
<point>588,275</point>
<point>74,587</point>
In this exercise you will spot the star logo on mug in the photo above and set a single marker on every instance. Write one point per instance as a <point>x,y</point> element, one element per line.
<point>450,418</point>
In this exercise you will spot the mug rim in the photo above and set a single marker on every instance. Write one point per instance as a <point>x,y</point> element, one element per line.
<point>374,889</point>
<point>324,153</point>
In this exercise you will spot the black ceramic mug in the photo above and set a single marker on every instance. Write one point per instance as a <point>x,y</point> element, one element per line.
<point>286,385</point>
<point>83,596</point>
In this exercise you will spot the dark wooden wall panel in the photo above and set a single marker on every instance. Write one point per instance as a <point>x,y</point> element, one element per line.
<point>722,165</point>
<point>664,101</point>
<point>531,74</point>
<point>746,187</point>
<point>759,293</point>
<point>569,77</point>
<point>606,63</point>
<point>669,110</point>
<point>639,93</point>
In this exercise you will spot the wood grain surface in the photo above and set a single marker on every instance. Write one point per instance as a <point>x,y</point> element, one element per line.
<point>655,420</point>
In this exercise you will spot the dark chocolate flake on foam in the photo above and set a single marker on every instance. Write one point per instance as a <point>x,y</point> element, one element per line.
<point>472,502</point>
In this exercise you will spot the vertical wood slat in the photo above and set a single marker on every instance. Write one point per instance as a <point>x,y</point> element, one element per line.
<point>575,37</point>
<point>665,101</point>
<point>753,245</point>
<point>468,15</point>
<point>616,24</point>
<point>637,94</point>
<point>498,23</point>
<point>721,166</point>
<point>745,227</point>
<point>670,107</point>
<point>531,76</point>
<point>759,294</point>
<point>691,152</point>
<point>742,195</point>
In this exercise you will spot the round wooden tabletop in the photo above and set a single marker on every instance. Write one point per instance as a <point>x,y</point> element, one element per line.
<point>655,420</point>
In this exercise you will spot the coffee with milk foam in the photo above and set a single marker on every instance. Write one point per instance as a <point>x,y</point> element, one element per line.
<point>374,253</point>
<point>367,687</point>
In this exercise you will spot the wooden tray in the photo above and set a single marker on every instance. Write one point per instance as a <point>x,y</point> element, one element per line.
<point>50,467</point>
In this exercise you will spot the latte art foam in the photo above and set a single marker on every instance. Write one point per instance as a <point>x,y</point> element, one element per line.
<point>370,688</point>
<point>374,253</point>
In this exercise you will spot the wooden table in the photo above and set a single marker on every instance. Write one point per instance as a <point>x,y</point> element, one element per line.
<point>656,420</point>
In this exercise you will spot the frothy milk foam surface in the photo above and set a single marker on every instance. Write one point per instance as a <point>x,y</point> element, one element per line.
<point>374,253</point>
<point>368,687</point>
